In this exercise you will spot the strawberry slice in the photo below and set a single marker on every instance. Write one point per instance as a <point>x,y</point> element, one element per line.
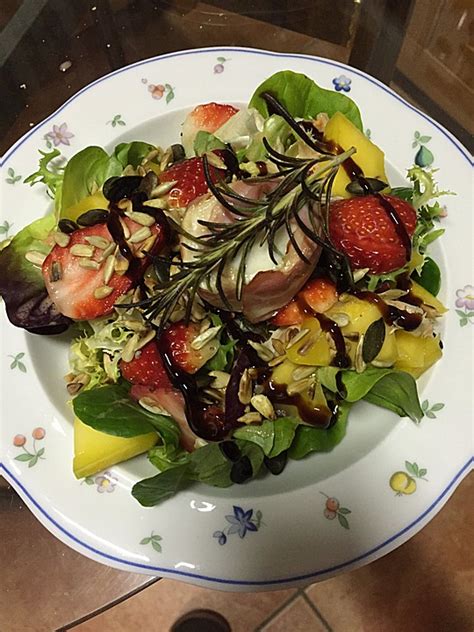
<point>319,294</point>
<point>207,118</point>
<point>190,180</point>
<point>177,340</point>
<point>146,368</point>
<point>76,283</point>
<point>171,400</point>
<point>361,228</point>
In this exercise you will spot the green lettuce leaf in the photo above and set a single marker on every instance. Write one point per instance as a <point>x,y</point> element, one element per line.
<point>205,141</point>
<point>21,283</point>
<point>302,97</point>
<point>132,153</point>
<point>110,409</point>
<point>308,439</point>
<point>85,172</point>
<point>276,130</point>
<point>273,437</point>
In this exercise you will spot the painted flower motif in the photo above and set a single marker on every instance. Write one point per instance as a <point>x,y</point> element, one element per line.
<point>159,91</point>
<point>342,83</point>
<point>333,509</point>
<point>27,456</point>
<point>17,362</point>
<point>59,135</point>
<point>430,410</point>
<point>240,522</point>
<point>465,297</point>
<point>13,178</point>
<point>219,67</point>
<point>105,482</point>
<point>5,228</point>
<point>154,540</point>
<point>404,483</point>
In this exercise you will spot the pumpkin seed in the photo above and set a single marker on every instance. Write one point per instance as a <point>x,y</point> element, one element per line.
<point>67,226</point>
<point>356,188</point>
<point>56,272</point>
<point>263,405</point>
<point>61,239</point>
<point>140,235</point>
<point>82,250</point>
<point>35,257</point>
<point>92,217</point>
<point>117,188</point>
<point>103,291</point>
<point>373,340</point>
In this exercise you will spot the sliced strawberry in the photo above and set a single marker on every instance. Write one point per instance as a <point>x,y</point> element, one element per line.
<point>146,368</point>
<point>361,228</point>
<point>75,289</point>
<point>319,294</point>
<point>190,181</point>
<point>177,341</point>
<point>171,400</point>
<point>207,118</point>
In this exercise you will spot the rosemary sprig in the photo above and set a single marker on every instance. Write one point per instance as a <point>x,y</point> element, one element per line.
<point>304,183</point>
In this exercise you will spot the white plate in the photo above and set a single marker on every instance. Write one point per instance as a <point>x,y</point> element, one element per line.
<point>292,540</point>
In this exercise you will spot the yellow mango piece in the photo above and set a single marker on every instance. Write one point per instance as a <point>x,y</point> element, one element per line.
<point>415,354</point>
<point>97,200</point>
<point>282,374</point>
<point>427,298</point>
<point>95,451</point>
<point>319,353</point>
<point>361,314</point>
<point>368,157</point>
<point>388,352</point>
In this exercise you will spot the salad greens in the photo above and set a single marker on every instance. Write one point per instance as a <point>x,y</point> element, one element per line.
<point>220,357</point>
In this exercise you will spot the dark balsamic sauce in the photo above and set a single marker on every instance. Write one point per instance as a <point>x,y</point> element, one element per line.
<point>318,416</point>
<point>391,315</point>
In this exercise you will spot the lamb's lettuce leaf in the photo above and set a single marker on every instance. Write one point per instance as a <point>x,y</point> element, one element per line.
<point>205,141</point>
<point>308,439</point>
<point>21,283</point>
<point>303,98</point>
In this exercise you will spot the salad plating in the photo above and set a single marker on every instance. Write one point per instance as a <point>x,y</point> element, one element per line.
<point>233,296</point>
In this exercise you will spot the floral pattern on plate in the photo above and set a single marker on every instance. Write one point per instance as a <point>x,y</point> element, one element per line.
<point>104,482</point>
<point>59,135</point>
<point>404,483</point>
<point>240,522</point>
<point>154,540</point>
<point>465,301</point>
<point>424,157</point>
<point>342,83</point>
<point>12,178</point>
<point>160,90</point>
<point>430,409</point>
<point>333,509</point>
<point>27,456</point>
<point>219,67</point>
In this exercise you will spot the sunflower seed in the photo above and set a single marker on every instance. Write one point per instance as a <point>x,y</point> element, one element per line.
<point>214,394</point>
<point>163,188</point>
<point>263,405</point>
<point>197,311</point>
<point>299,386</point>
<point>205,325</point>
<point>108,367</point>
<point>166,158</point>
<point>264,353</point>
<point>125,205</point>
<point>278,345</point>
<point>103,291</point>
<point>108,251</point>
<point>141,218</point>
<point>99,242</point>
<point>151,406</point>
<point>245,388</point>
<point>108,268</point>
<point>146,246</point>
<point>151,155</point>
<point>250,418</point>
<point>130,347</point>
<point>381,365</point>
<point>73,388</point>
<point>302,372</point>
<point>296,338</point>
<point>78,382</point>
<point>392,295</point>
<point>156,203</point>
<point>220,379</point>
<point>340,318</point>
<point>306,347</point>
<point>125,228</point>
<point>359,363</point>
<point>214,160</point>
<point>121,264</point>
<point>89,264</point>
<point>35,257</point>
<point>276,361</point>
<point>200,341</point>
<point>82,250</point>
<point>145,340</point>
<point>359,274</point>
<point>56,272</point>
<point>134,325</point>
<point>140,235</point>
<point>61,239</point>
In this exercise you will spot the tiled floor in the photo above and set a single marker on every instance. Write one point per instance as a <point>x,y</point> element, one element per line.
<point>427,585</point>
